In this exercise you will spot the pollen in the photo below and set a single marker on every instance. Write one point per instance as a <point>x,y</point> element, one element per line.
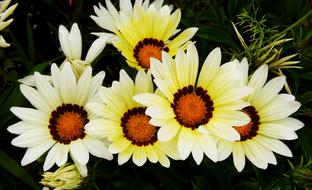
<point>249,130</point>
<point>146,49</point>
<point>192,107</point>
<point>137,129</point>
<point>67,123</point>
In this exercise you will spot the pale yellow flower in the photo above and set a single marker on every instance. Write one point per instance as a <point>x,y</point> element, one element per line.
<point>143,30</point>
<point>269,112</point>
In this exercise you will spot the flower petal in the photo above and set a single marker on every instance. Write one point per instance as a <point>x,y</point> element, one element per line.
<point>33,153</point>
<point>79,151</point>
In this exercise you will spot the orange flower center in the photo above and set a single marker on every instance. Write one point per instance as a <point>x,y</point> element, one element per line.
<point>137,129</point>
<point>192,108</point>
<point>67,123</point>
<point>146,49</point>
<point>249,130</point>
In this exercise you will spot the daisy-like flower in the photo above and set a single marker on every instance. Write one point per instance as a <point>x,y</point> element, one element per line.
<point>71,44</point>
<point>193,108</point>
<point>5,12</point>
<point>142,30</point>
<point>269,121</point>
<point>124,122</point>
<point>59,118</point>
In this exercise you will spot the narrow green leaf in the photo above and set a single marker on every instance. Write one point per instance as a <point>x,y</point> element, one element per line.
<point>15,169</point>
<point>20,52</point>
<point>305,135</point>
<point>30,39</point>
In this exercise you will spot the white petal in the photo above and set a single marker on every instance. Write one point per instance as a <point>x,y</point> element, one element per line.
<point>150,154</point>
<point>143,82</point>
<point>102,128</point>
<point>35,98</point>
<point>68,84</point>
<point>125,155</point>
<point>96,48</point>
<point>45,89</point>
<point>185,142</point>
<point>209,147</point>
<point>224,149</point>
<point>49,160</point>
<point>274,145</point>
<point>149,99</point>
<point>30,115</point>
<point>210,68</point>
<point>223,131</point>
<point>168,131</point>
<point>79,151</point>
<point>197,152</point>
<point>119,145</point>
<point>253,153</point>
<point>63,37</point>
<point>277,131</point>
<point>290,122</point>
<point>259,78</point>
<point>238,156</point>
<point>162,158</point>
<point>32,138</point>
<point>83,170</point>
<point>75,41</point>
<point>33,153</point>
<point>278,110</point>
<point>232,95</point>
<point>160,112</point>
<point>62,153</point>
<point>139,156</point>
<point>98,148</point>
<point>83,87</point>
<point>268,92</point>
<point>22,127</point>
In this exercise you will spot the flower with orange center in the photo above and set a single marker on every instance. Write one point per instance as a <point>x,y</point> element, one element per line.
<point>269,121</point>
<point>59,120</point>
<point>126,125</point>
<point>143,30</point>
<point>193,108</point>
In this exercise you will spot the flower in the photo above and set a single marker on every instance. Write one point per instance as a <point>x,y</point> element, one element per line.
<point>192,109</point>
<point>4,13</point>
<point>142,30</point>
<point>65,177</point>
<point>268,111</point>
<point>124,122</point>
<point>71,44</point>
<point>59,118</point>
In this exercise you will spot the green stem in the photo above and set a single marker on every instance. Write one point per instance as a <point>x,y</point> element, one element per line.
<point>291,26</point>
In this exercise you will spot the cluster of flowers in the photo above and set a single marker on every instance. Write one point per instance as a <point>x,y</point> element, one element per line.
<point>216,111</point>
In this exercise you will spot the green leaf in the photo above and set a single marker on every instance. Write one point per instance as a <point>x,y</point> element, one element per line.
<point>305,135</point>
<point>15,169</point>
<point>306,97</point>
<point>217,35</point>
<point>30,39</point>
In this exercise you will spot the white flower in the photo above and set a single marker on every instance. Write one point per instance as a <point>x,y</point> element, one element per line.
<point>143,30</point>
<point>192,107</point>
<point>58,121</point>
<point>124,122</point>
<point>269,112</point>
<point>71,44</point>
